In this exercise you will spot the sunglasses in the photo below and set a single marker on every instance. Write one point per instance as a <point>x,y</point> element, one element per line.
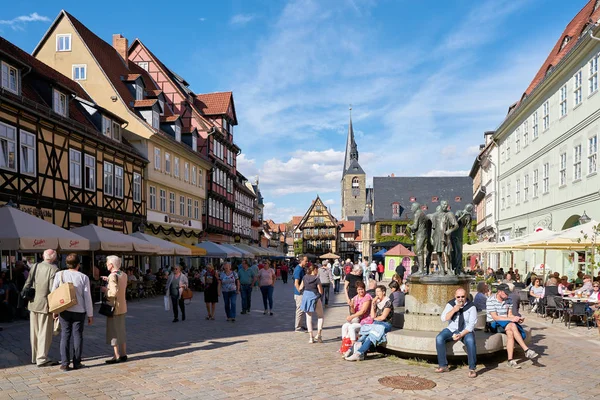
<point>460,297</point>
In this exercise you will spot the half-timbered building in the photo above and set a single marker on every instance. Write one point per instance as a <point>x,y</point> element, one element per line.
<point>55,161</point>
<point>319,229</point>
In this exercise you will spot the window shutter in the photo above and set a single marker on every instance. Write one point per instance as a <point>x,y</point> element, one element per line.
<point>4,75</point>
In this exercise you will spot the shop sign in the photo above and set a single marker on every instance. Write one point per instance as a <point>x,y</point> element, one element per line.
<point>110,222</point>
<point>174,220</point>
<point>37,212</point>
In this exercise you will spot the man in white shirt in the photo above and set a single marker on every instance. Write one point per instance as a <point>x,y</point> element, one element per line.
<point>72,319</point>
<point>461,315</point>
<point>364,265</point>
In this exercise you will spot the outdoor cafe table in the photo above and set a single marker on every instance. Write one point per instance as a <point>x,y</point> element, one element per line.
<point>579,300</point>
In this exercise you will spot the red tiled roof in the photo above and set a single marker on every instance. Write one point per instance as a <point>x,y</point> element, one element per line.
<point>296,220</point>
<point>347,227</point>
<point>573,30</point>
<point>153,92</point>
<point>400,251</point>
<point>358,237</point>
<point>214,103</point>
<point>171,118</point>
<point>144,103</point>
<point>282,227</point>
<point>131,77</point>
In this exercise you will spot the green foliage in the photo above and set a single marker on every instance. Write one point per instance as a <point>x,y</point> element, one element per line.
<point>404,239</point>
<point>297,247</point>
<point>592,256</point>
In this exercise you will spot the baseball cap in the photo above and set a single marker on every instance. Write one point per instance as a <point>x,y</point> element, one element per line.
<point>504,287</point>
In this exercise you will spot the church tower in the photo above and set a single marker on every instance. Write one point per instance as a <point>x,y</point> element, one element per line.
<point>354,180</point>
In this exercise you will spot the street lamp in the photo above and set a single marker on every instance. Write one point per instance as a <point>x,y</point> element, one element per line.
<point>584,219</point>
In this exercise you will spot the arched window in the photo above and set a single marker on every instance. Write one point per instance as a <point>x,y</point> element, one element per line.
<point>355,182</point>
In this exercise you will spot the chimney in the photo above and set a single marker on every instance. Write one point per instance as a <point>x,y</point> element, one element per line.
<point>121,45</point>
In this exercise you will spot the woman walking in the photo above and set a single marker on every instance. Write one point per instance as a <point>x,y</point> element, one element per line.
<point>175,284</point>
<point>211,291</point>
<point>311,302</point>
<point>115,295</point>
<point>229,285</point>
<point>266,278</point>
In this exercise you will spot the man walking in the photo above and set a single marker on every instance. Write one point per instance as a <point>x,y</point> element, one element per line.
<point>502,320</point>
<point>299,273</point>
<point>325,276</point>
<point>461,315</point>
<point>337,276</point>
<point>247,278</point>
<point>40,320</point>
<point>72,320</point>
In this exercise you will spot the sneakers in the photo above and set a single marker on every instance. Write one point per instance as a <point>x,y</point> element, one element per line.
<point>531,354</point>
<point>349,352</point>
<point>311,340</point>
<point>513,364</point>
<point>355,357</point>
<point>319,338</point>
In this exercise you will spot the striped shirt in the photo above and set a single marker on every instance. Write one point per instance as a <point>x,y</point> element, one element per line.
<point>499,307</point>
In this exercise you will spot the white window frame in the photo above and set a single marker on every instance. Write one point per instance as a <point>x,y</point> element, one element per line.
<point>152,204</point>
<point>546,116</point>
<point>139,90</point>
<point>194,143</point>
<point>65,42</point>
<point>119,181</point>
<point>194,177</point>
<point>518,191</point>
<point>534,125</point>
<point>108,181</point>
<point>563,101</point>
<point>91,170</point>
<point>5,82</point>
<point>546,178</point>
<point>196,210</point>
<point>157,159</point>
<point>116,131</point>
<point>163,200</point>
<point>189,206</point>
<point>177,130</point>
<point>107,126</point>
<point>30,150</point>
<point>58,105</point>
<point>518,140</point>
<point>78,70</point>
<point>172,203</point>
<point>176,167</point>
<point>562,173</point>
<point>577,88</point>
<point>137,187</point>
<point>167,163</point>
<point>182,206</point>
<point>592,154</point>
<point>526,188</point>
<point>74,168</point>
<point>143,65</point>
<point>593,75</point>
<point>200,178</point>
<point>577,162</point>
<point>508,203</point>
<point>536,177</point>
<point>155,120</point>
<point>186,172</point>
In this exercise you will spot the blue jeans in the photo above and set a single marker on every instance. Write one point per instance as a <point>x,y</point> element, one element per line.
<point>336,286</point>
<point>469,341</point>
<point>246,294</point>
<point>267,295</point>
<point>71,324</point>
<point>367,342</point>
<point>229,298</point>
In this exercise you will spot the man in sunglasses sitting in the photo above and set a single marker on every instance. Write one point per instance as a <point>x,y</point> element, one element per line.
<point>461,315</point>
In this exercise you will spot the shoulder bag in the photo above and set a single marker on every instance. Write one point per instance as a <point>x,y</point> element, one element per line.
<point>106,308</point>
<point>29,293</point>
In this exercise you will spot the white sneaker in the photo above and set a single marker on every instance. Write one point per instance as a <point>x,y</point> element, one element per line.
<point>349,352</point>
<point>311,340</point>
<point>513,364</point>
<point>355,357</point>
<point>531,354</point>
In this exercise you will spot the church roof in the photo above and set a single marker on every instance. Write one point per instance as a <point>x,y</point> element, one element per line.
<point>351,156</point>
<point>354,169</point>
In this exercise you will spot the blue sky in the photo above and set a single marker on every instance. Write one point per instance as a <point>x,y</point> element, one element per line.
<point>425,78</point>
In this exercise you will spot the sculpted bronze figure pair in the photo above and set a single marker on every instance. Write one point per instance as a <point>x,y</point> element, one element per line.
<point>440,233</point>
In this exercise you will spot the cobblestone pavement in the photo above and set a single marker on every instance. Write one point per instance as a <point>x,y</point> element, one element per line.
<point>260,356</point>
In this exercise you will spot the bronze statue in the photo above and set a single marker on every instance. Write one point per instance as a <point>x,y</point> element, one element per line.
<point>443,224</point>
<point>421,231</point>
<point>463,220</point>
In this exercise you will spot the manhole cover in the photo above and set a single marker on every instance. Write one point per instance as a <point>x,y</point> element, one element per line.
<point>407,382</point>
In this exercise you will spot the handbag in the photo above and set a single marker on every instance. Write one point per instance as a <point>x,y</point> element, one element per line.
<point>29,293</point>
<point>187,294</point>
<point>106,309</point>
<point>63,297</point>
<point>167,300</point>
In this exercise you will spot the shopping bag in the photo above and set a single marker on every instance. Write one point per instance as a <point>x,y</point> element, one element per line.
<point>62,298</point>
<point>346,344</point>
<point>167,303</point>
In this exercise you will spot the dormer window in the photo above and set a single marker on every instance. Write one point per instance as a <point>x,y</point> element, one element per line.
<point>194,143</point>
<point>139,91</point>
<point>395,210</point>
<point>143,65</point>
<point>106,127</point>
<point>60,103</point>
<point>178,132</point>
<point>63,42</point>
<point>10,78</point>
<point>224,124</point>
<point>116,131</point>
<point>155,119</point>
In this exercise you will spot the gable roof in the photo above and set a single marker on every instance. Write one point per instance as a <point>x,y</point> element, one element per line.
<point>400,251</point>
<point>347,227</point>
<point>296,220</point>
<point>216,104</point>
<point>316,202</point>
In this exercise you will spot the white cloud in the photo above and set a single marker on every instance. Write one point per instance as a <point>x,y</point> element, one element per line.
<point>18,23</point>
<point>201,19</point>
<point>329,202</point>
<point>439,173</point>
<point>247,167</point>
<point>241,19</point>
<point>280,214</point>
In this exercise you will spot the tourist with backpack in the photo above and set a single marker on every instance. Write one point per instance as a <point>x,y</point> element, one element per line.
<point>337,276</point>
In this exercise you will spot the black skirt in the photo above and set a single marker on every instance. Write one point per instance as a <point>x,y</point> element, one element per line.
<point>210,294</point>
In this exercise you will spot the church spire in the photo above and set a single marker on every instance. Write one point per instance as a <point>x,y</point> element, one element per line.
<point>351,148</point>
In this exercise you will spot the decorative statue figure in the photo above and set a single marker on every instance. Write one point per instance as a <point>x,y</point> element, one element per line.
<point>421,231</point>
<point>443,224</point>
<point>463,220</point>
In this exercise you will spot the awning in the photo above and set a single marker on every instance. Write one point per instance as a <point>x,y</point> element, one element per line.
<point>215,250</point>
<point>252,249</point>
<point>22,231</point>
<point>380,253</point>
<point>196,251</point>
<point>244,253</point>
<point>166,248</point>
<point>102,239</point>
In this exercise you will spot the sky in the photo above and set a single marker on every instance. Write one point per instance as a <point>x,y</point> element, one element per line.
<point>425,78</point>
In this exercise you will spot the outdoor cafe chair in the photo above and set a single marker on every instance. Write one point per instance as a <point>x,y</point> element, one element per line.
<point>577,309</point>
<point>524,299</point>
<point>549,306</point>
<point>560,308</point>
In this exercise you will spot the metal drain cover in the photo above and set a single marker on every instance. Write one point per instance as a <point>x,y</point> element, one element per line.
<point>407,382</point>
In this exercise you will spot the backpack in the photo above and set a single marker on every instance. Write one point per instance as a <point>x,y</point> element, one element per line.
<point>336,270</point>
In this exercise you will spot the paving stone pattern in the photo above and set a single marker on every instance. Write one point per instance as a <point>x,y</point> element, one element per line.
<point>260,357</point>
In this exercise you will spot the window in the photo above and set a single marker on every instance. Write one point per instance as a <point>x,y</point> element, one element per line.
<point>546,118</point>
<point>182,205</point>
<point>143,64</point>
<point>518,140</point>
<point>355,182</point>
<point>577,162</point>
<point>525,133</point>
<point>60,103</point>
<point>395,210</point>
<point>224,124</point>
<point>534,125</point>
<point>503,156</point>
<point>546,179</point>
<point>63,42</point>
<point>108,179</point>
<point>592,154</point>
<point>172,202</point>
<point>177,132</point>
<point>503,197</point>
<point>176,167</point>
<point>90,172</point>
<point>386,229</point>
<point>137,187</point>
<point>518,191</point>
<point>139,94</point>
<point>116,131</point>
<point>508,194</point>
<point>152,198</point>
<point>157,159</point>
<point>200,178</point>
<point>194,175</point>
<point>563,169</point>
<point>106,127</point>
<point>186,172</point>
<point>75,168</point>
<point>535,183</point>
<point>189,201</point>
<point>577,91</point>
<point>194,143</point>
<point>28,153</point>
<point>167,163</point>
<point>10,78</point>
<point>508,148</point>
<point>163,200</point>
<point>155,120</point>
<point>118,182</point>
<point>79,72</point>
<point>196,210</point>
<point>563,101</point>
<point>593,77</point>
